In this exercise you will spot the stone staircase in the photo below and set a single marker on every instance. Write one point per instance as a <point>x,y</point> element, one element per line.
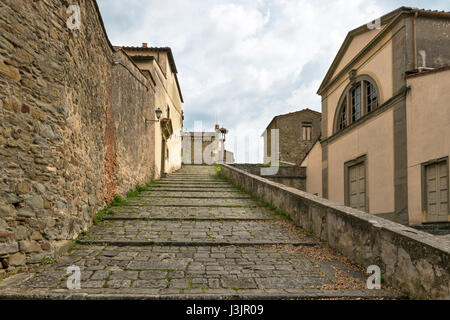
<point>195,236</point>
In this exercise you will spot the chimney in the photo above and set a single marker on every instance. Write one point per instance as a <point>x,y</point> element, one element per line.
<point>217,127</point>
<point>144,44</point>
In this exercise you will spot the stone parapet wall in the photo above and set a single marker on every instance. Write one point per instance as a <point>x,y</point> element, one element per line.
<point>415,262</point>
<point>72,126</point>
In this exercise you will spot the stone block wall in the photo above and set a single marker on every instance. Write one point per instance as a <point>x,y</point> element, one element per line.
<point>72,126</point>
<point>412,261</point>
<point>292,147</point>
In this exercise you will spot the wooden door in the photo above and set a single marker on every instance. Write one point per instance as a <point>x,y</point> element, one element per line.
<point>357,186</point>
<point>436,179</point>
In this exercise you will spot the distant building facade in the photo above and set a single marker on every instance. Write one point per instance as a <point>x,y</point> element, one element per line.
<point>206,147</point>
<point>298,131</point>
<point>384,145</point>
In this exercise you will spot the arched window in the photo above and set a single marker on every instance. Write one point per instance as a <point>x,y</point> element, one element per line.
<point>359,98</point>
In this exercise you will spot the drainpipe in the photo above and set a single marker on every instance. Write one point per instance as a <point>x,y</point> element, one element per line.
<point>416,14</point>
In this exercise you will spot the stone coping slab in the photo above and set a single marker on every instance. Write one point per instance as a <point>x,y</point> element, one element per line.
<point>210,294</point>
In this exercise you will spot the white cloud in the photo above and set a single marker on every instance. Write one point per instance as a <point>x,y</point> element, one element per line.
<point>246,60</point>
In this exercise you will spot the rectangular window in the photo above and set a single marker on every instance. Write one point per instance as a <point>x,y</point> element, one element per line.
<point>306,132</point>
<point>343,116</point>
<point>371,96</point>
<point>435,189</point>
<point>356,103</point>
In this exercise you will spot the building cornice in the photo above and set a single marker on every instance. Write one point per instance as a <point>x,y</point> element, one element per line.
<point>381,109</point>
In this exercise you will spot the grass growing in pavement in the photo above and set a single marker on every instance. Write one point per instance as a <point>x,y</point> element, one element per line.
<point>47,261</point>
<point>118,201</point>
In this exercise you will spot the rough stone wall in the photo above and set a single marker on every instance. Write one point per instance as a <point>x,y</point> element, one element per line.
<point>433,42</point>
<point>71,127</point>
<point>132,103</point>
<point>412,261</point>
<point>293,148</point>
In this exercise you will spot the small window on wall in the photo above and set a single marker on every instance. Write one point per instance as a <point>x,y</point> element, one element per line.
<point>167,153</point>
<point>168,112</point>
<point>306,132</point>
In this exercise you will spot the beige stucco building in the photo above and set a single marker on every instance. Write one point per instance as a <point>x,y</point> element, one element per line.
<point>159,65</point>
<point>386,120</point>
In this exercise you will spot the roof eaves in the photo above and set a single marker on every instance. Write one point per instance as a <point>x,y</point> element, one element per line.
<point>144,58</point>
<point>165,49</point>
<point>290,114</point>
<point>416,73</point>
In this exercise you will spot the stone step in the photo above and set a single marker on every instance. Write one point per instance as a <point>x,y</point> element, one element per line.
<point>132,218</point>
<point>193,194</point>
<point>188,177</point>
<point>215,206</point>
<point>162,196</point>
<point>200,202</point>
<point>142,243</point>
<point>182,189</point>
<point>182,183</point>
<point>192,212</point>
<point>113,272</point>
<point>192,233</point>
<point>192,180</point>
<point>192,187</point>
<point>180,174</point>
<point>215,178</point>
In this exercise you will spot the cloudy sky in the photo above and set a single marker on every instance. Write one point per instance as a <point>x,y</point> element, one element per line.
<point>243,62</point>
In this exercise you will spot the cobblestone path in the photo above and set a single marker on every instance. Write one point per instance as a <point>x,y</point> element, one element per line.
<point>195,236</point>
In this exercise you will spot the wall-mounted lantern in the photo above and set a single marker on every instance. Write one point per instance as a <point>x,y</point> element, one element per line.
<point>158,113</point>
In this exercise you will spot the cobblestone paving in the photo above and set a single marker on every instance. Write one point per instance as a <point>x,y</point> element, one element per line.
<point>155,247</point>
